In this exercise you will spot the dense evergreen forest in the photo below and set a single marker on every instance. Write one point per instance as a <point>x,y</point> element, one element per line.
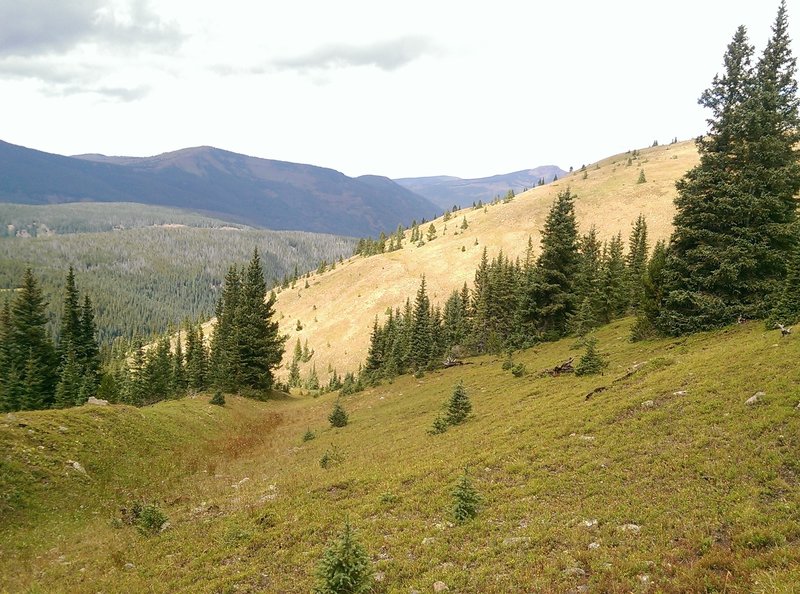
<point>37,372</point>
<point>144,281</point>
<point>24,220</point>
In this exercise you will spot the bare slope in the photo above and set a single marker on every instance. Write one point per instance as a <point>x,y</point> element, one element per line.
<point>337,310</point>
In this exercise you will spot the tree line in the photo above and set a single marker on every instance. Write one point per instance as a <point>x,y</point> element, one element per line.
<point>37,372</point>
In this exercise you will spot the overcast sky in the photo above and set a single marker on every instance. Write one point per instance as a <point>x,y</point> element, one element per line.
<point>400,89</point>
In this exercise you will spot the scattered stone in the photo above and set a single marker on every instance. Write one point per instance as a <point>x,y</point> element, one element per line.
<point>241,482</point>
<point>644,578</point>
<point>755,398</point>
<point>680,393</point>
<point>648,404</point>
<point>165,526</point>
<point>76,466</point>
<point>414,591</point>
<point>594,545</point>
<point>380,576</point>
<point>129,566</point>
<point>515,540</point>
<point>590,523</point>
<point>11,417</point>
<point>97,401</point>
<point>634,528</point>
<point>440,587</point>
<point>428,540</point>
<point>574,571</point>
<point>63,429</point>
<point>586,437</point>
<point>798,406</point>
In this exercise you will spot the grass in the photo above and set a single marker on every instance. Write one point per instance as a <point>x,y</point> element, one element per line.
<point>693,492</point>
<point>338,308</point>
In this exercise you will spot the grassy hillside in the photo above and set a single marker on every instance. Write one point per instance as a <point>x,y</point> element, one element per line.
<point>143,280</point>
<point>665,481</point>
<point>336,312</point>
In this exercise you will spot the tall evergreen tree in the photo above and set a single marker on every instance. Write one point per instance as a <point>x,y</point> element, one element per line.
<point>259,345</point>
<point>70,333</point>
<point>732,232</point>
<point>613,294</point>
<point>32,351</point>
<point>224,357</point>
<point>420,333</point>
<point>636,261</point>
<point>557,267</point>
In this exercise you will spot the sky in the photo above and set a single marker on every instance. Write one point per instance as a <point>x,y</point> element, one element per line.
<point>402,89</point>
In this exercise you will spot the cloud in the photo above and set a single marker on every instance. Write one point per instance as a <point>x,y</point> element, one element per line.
<point>40,27</point>
<point>386,55</point>
<point>71,46</point>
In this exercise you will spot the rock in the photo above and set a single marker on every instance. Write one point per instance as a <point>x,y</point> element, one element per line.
<point>798,406</point>
<point>574,571</point>
<point>590,523</point>
<point>644,578</point>
<point>680,393</point>
<point>648,404</point>
<point>165,526</point>
<point>129,566</point>
<point>512,541</point>
<point>97,401</point>
<point>379,576</point>
<point>76,466</point>
<point>594,545</point>
<point>634,528</point>
<point>428,540</point>
<point>63,429</point>
<point>440,587</point>
<point>755,398</point>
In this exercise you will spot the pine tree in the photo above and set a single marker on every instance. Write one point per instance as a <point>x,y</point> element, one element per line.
<point>591,362</point>
<point>196,359</point>
<point>652,295</point>
<point>70,317</point>
<point>636,261</point>
<point>420,333</point>
<point>180,380</point>
<point>613,297</point>
<point>33,353</point>
<point>9,375</point>
<point>732,233</point>
<point>345,567</point>
<point>88,351</point>
<point>787,308</point>
<point>338,416</point>
<point>466,500</point>
<point>259,346</point>
<point>459,406</point>
<point>224,362</point>
<point>69,384</point>
<point>557,268</point>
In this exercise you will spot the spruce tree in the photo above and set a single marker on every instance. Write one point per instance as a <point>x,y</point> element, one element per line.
<point>420,333</point>
<point>87,348</point>
<point>732,233</point>
<point>33,353</point>
<point>69,384</point>
<point>338,416</point>
<point>259,346</point>
<point>636,261</point>
<point>652,295</point>
<point>224,363</point>
<point>70,318</point>
<point>196,359</point>
<point>613,297</point>
<point>180,380</point>
<point>591,362</point>
<point>459,406</point>
<point>465,500</point>
<point>345,567</point>
<point>9,380</point>
<point>787,307</point>
<point>557,268</point>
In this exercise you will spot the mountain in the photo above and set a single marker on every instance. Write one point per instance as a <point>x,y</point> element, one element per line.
<point>260,192</point>
<point>446,191</point>
<point>662,480</point>
<point>337,310</point>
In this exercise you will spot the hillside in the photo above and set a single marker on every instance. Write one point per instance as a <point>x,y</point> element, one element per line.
<point>666,481</point>
<point>337,311</point>
<point>234,187</point>
<point>145,280</point>
<point>446,191</point>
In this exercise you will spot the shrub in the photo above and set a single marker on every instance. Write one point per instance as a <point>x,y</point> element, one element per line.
<point>518,370</point>
<point>338,416</point>
<point>591,362</point>
<point>459,406</point>
<point>147,518</point>
<point>330,457</point>
<point>345,567</point>
<point>439,426</point>
<point>218,399</point>
<point>309,435</point>
<point>465,500</point>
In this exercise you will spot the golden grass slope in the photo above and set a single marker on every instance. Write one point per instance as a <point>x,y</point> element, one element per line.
<point>337,311</point>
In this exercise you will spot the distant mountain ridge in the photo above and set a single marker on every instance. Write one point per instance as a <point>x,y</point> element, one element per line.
<point>260,192</point>
<point>446,191</point>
